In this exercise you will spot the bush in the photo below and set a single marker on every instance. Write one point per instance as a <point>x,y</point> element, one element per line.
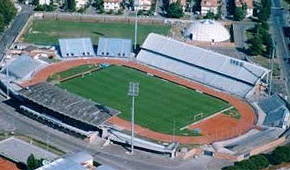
<point>175,10</point>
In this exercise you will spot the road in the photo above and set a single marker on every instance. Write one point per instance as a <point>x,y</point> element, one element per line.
<point>277,23</point>
<point>112,155</point>
<point>11,33</point>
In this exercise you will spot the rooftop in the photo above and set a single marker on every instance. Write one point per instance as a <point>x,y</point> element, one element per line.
<point>76,47</point>
<point>249,3</point>
<point>115,47</point>
<point>68,104</point>
<point>209,3</point>
<point>7,165</point>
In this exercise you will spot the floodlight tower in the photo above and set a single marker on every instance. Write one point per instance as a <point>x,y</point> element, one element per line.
<point>7,72</point>
<point>133,92</point>
<point>136,23</point>
<point>272,64</point>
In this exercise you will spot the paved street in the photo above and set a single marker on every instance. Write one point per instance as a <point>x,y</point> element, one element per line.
<point>11,33</point>
<point>277,23</point>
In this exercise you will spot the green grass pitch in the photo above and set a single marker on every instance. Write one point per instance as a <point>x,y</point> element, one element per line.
<point>47,32</point>
<point>161,105</point>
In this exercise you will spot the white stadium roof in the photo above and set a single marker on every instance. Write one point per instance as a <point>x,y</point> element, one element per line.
<point>207,30</point>
<point>204,66</point>
<point>76,47</point>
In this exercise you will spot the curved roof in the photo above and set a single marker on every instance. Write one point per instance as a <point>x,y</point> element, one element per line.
<point>207,30</point>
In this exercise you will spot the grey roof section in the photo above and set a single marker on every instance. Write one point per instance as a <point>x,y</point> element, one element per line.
<point>275,109</point>
<point>247,144</point>
<point>69,162</point>
<point>68,104</point>
<point>115,47</point>
<point>76,47</point>
<point>210,68</point>
<point>19,150</point>
<point>21,66</point>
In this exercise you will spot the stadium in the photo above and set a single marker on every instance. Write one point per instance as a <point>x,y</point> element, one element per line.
<point>188,95</point>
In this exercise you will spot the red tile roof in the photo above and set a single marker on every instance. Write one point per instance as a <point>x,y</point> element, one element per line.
<point>7,165</point>
<point>248,2</point>
<point>182,2</point>
<point>209,3</point>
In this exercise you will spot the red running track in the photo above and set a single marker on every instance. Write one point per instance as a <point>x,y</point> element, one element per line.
<point>217,128</point>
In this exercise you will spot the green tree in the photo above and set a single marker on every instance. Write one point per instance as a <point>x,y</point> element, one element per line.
<point>70,5</point>
<point>256,46</point>
<point>281,154</point>
<point>33,163</point>
<point>2,25</point>
<point>8,11</point>
<point>175,10</point>
<point>219,13</point>
<point>261,161</point>
<point>35,2</point>
<point>209,15</point>
<point>239,14</point>
<point>231,168</point>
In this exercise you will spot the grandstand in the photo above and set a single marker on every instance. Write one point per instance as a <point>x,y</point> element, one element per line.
<point>212,69</point>
<point>67,104</point>
<point>76,47</point>
<point>21,67</point>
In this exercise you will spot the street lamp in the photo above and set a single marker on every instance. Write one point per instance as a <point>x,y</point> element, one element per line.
<point>133,92</point>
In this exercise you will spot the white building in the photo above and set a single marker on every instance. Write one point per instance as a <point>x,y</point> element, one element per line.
<point>81,3</point>
<point>112,5</point>
<point>144,5</point>
<point>209,5</point>
<point>206,30</point>
<point>44,2</point>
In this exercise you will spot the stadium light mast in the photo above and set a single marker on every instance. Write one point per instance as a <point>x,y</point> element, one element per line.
<point>133,92</point>
<point>272,65</point>
<point>136,23</point>
<point>7,73</point>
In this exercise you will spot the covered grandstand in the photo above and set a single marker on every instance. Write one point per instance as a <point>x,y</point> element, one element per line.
<point>76,47</point>
<point>68,104</point>
<point>21,67</point>
<point>212,69</point>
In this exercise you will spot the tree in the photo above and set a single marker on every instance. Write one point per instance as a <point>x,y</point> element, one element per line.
<point>175,10</point>
<point>140,12</point>
<point>33,163</point>
<point>239,14</point>
<point>219,13</point>
<point>8,11</point>
<point>209,15</point>
<point>2,25</point>
<point>281,154</point>
<point>70,5</point>
<point>35,2</point>
<point>256,46</point>
<point>261,161</point>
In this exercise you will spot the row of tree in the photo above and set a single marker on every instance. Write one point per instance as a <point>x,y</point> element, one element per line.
<point>7,13</point>
<point>261,41</point>
<point>278,156</point>
<point>69,5</point>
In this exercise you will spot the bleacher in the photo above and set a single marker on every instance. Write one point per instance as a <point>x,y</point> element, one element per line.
<point>20,67</point>
<point>68,104</point>
<point>207,67</point>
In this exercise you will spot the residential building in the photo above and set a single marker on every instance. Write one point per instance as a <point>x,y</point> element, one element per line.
<point>209,5</point>
<point>144,5</point>
<point>112,5</point>
<point>249,3</point>
<point>44,2</point>
<point>81,4</point>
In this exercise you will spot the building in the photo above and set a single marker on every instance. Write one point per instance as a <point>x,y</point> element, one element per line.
<point>76,47</point>
<point>209,6</point>
<point>44,2</point>
<point>81,3</point>
<point>277,113</point>
<point>206,30</point>
<point>144,5</point>
<point>114,47</point>
<point>218,71</point>
<point>249,3</point>
<point>112,5</point>
<point>76,161</point>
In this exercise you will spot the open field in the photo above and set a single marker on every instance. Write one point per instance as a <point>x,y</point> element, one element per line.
<point>48,32</point>
<point>161,106</point>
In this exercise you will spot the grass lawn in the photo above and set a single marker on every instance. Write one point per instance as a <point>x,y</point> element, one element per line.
<point>161,106</point>
<point>47,32</point>
<point>71,72</point>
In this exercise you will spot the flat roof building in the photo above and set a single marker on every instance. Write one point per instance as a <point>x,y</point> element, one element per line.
<point>76,47</point>
<point>114,47</point>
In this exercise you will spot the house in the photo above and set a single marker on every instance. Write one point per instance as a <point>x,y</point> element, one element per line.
<point>81,3</point>
<point>112,5</point>
<point>249,3</point>
<point>182,3</point>
<point>144,5</point>
<point>277,113</point>
<point>44,2</point>
<point>209,5</point>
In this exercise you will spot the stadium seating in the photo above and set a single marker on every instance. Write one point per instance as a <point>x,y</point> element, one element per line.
<point>213,69</point>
